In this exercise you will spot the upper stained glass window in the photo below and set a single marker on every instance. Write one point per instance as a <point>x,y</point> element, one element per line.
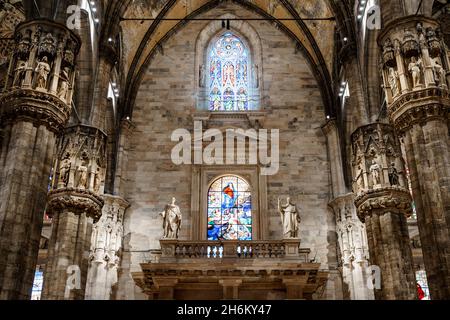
<point>229,209</point>
<point>228,74</point>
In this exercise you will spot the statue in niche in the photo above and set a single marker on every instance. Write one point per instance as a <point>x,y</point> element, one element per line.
<point>201,76</point>
<point>375,171</point>
<point>393,82</point>
<point>83,177</point>
<point>415,67</point>
<point>393,175</point>
<point>439,73</point>
<point>348,212</point>
<point>171,220</point>
<point>64,171</point>
<point>97,181</point>
<point>290,218</point>
<point>20,73</point>
<point>360,179</point>
<point>42,70</point>
<point>64,83</point>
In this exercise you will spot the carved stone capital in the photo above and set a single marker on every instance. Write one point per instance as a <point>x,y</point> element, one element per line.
<point>35,106</point>
<point>392,200</point>
<point>76,201</point>
<point>419,107</point>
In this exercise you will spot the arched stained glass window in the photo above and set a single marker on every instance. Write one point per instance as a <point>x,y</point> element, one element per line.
<point>228,74</point>
<point>229,209</point>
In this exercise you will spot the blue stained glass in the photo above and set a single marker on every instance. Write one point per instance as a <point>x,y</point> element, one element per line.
<point>229,209</point>
<point>228,74</point>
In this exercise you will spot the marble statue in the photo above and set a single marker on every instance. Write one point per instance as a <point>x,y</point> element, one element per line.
<point>83,180</point>
<point>415,67</point>
<point>360,179</point>
<point>20,73</point>
<point>375,171</point>
<point>42,70</point>
<point>97,181</point>
<point>64,171</point>
<point>439,73</point>
<point>290,218</point>
<point>393,175</point>
<point>64,86</point>
<point>393,81</point>
<point>171,220</point>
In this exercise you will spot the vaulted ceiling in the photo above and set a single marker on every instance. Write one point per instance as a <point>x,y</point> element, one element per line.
<point>314,37</point>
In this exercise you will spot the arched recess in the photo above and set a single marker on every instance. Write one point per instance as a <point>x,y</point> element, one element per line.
<point>203,42</point>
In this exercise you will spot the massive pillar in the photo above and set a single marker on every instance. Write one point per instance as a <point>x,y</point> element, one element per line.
<point>384,203</point>
<point>34,107</point>
<point>75,205</point>
<point>106,245</point>
<point>416,78</point>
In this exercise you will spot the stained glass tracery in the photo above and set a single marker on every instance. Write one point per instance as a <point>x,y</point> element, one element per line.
<point>229,209</point>
<point>228,74</point>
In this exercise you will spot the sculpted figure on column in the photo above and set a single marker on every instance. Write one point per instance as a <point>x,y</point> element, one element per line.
<point>415,67</point>
<point>375,170</point>
<point>20,73</point>
<point>393,175</point>
<point>64,171</point>
<point>42,70</point>
<point>171,220</point>
<point>439,73</point>
<point>64,86</point>
<point>393,82</point>
<point>290,218</point>
<point>83,180</point>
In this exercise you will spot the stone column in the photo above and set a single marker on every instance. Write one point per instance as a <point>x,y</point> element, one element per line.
<point>34,108</point>
<point>353,248</point>
<point>106,244</point>
<point>384,203</point>
<point>75,205</point>
<point>420,116</point>
<point>230,288</point>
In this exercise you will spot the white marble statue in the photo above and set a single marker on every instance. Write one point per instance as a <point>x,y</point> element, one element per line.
<point>393,82</point>
<point>290,218</point>
<point>415,67</point>
<point>360,179</point>
<point>64,84</point>
<point>42,70</point>
<point>375,171</point>
<point>171,220</point>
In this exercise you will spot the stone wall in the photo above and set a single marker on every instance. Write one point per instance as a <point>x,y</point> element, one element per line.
<point>166,101</point>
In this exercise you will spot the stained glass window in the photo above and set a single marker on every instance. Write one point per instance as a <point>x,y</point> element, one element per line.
<point>228,74</point>
<point>37,285</point>
<point>229,209</point>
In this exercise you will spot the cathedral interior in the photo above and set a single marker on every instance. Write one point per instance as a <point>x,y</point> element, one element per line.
<point>224,149</point>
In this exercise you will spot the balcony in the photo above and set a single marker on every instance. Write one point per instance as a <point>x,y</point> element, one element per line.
<point>246,270</point>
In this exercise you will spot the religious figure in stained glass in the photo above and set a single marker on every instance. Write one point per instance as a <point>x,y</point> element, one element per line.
<point>228,74</point>
<point>229,209</point>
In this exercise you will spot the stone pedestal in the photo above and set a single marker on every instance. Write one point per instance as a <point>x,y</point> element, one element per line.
<point>34,107</point>
<point>75,205</point>
<point>353,248</point>
<point>420,116</point>
<point>230,288</point>
<point>383,203</point>
<point>106,244</point>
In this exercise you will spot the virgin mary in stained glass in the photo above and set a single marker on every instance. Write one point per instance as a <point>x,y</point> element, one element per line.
<point>229,209</point>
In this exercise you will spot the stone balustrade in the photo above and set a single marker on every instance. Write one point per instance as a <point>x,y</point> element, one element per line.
<point>273,249</point>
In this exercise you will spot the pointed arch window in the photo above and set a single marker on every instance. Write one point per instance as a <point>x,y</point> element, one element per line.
<point>229,64</point>
<point>230,209</point>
